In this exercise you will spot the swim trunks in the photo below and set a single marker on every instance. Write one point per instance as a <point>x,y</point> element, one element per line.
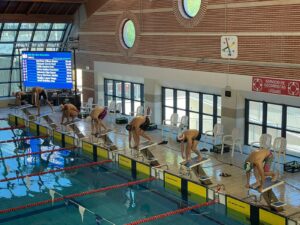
<point>146,124</point>
<point>103,114</point>
<point>268,162</point>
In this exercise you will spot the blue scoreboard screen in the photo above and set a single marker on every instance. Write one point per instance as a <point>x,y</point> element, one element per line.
<point>50,70</point>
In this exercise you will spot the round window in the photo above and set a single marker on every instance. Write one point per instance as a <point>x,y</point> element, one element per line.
<point>191,7</point>
<point>128,33</point>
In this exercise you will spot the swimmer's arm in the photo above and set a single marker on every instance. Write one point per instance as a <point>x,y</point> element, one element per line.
<point>182,149</point>
<point>33,98</point>
<point>248,179</point>
<point>189,149</point>
<point>62,117</point>
<point>68,115</point>
<point>36,98</point>
<point>261,173</point>
<point>129,139</point>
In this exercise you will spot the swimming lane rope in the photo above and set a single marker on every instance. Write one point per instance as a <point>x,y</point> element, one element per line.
<point>171,213</point>
<point>31,205</point>
<point>38,153</point>
<point>58,170</point>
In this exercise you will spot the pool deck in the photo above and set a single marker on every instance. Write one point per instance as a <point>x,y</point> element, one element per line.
<point>170,154</point>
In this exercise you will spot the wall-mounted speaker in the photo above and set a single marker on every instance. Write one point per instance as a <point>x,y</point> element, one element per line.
<point>228,91</point>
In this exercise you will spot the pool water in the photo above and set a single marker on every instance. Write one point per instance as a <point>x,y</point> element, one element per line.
<point>118,206</point>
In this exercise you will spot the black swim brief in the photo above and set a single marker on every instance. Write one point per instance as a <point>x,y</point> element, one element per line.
<point>44,94</point>
<point>146,124</point>
<point>198,137</point>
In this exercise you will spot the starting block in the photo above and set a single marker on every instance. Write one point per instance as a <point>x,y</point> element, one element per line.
<point>74,127</point>
<point>71,122</point>
<point>49,121</point>
<point>195,167</point>
<point>269,195</point>
<point>29,115</point>
<point>144,150</point>
<point>147,144</point>
<point>77,131</point>
<point>22,107</point>
<point>107,141</point>
<point>103,133</point>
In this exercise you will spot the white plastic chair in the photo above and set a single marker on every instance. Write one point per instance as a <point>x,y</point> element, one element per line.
<point>111,107</point>
<point>217,133</point>
<point>118,110</point>
<point>87,107</point>
<point>265,142</point>
<point>233,139</point>
<point>148,112</point>
<point>183,124</point>
<point>138,112</point>
<point>171,123</point>
<point>279,147</point>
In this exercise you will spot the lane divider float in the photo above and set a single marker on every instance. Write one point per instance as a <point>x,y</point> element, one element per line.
<point>57,170</point>
<point>31,205</point>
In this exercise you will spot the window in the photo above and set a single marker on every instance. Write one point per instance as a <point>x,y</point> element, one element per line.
<point>18,37</point>
<point>128,34</point>
<point>191,7</point>
<point>130,94</point>
<point>56,35</point>
<point>24,36</point>
<point>203,110</point>
<point>277,120</point>
<point>7,36</point>
<point>27,26</point>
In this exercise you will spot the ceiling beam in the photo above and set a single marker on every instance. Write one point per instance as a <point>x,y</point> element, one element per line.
<point>7,7</point>
<point>30,8</point>
<point>35,18</point>
<point>93,5</point>
<point>49,1</point>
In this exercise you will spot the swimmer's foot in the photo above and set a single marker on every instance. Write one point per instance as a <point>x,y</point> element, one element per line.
<point>274,177</point>
<point>188,163</point>
<point>183,162</point>
<point>256,185</point>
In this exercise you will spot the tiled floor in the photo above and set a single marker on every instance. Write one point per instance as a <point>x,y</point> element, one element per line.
<point>170,154</point>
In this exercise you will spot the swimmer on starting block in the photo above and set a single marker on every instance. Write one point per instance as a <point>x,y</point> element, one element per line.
<point>19,97</point>
<point>37,93</point>
<point>192,137</point>
<point>68,111</point>
<point>137,127</point>
<point>96,116</point>
<point>260,160</point>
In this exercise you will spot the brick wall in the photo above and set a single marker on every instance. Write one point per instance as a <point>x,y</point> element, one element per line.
<point>268,36</point>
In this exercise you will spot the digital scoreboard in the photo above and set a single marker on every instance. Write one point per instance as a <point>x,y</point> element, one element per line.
<point>50,70</point>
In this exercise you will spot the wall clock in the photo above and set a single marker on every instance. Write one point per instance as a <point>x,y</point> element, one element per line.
<point>229,47</point>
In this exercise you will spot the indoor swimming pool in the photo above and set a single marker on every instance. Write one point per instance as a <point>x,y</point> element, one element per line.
<point>106,196</point>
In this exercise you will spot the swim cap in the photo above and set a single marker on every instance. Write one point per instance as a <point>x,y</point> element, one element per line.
<point>180,137</point>
<point>128,127</point>
<point>248,166</point>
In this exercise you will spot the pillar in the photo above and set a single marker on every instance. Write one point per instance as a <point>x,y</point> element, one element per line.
<point>152,97</point>
<point>233,112</point>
